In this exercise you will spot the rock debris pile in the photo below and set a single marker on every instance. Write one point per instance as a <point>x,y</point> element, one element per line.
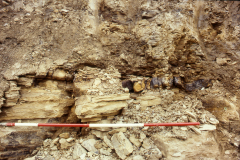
<point>154,106</point>
<point>118,61</point>
<point>99,145</point>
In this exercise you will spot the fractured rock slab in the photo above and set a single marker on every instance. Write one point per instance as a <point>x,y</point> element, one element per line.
<point>105,152</point>
<point>108,142</point>
<point>64,135</point>
<point>122,145</point>
<point>1,103</point>
<point>149,100</point>
<point>24,81</point>
<point>36,102</point>
<point>64,143</point>
<point>146,144</point>
<point>98,106</point>
<point>135,141</point>
<point>35,110</point>
<point>12,95</point>
<point>117,130</point>
<point>190,148</point>
<point>54,142</point>
<point>99,134</point>
<point>89,145</point>
<point>79,151</point>
<point>223,61</point>
<point>207,127</point>
<point>113,97</point>
<point>138,157</point>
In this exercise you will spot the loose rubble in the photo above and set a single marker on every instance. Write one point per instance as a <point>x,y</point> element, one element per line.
<point>117,61</point>
<point>122,145</point>
<point>147,142</point>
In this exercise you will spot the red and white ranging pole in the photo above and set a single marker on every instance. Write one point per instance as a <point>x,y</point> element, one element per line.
<point>99,125</point>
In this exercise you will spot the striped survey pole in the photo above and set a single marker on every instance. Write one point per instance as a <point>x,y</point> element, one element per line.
<point>99,125</point>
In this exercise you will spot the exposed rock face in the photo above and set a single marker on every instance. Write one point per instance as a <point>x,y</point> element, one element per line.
<point>93,81</point>
<point>172,44</point>
<point>45,101</point>
<point>100,94</point>
<point>100,106</point>
<point>173,143</point>
<point>25,81</point>
<point>50,73</point>
<point>12,95</point>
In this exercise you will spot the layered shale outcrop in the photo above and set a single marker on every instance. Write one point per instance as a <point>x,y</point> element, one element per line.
<point>116,61</point>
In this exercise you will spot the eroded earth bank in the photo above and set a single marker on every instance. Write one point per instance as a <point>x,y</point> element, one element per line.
<point>120,61</point>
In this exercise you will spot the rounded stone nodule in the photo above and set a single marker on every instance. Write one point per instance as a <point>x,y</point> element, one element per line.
<point>147,84</point>
<point>198,84</point>
<point>138,86</point>
<point>156,82</point>
<point>178,82</point>
<point>128,84</point>
<point>167,82</point>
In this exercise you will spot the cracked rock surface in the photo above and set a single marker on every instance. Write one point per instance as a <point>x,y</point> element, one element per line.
<point>117,61</point>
